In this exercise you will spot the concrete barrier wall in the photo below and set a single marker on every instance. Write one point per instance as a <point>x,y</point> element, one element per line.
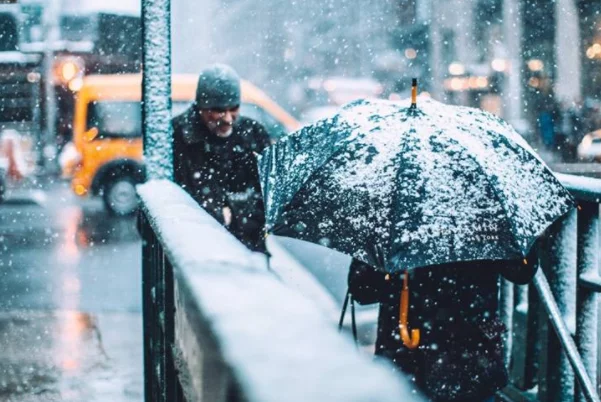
<point>229,329</point>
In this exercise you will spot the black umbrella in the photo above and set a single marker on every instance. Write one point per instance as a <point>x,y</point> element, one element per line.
<point>399,186</point>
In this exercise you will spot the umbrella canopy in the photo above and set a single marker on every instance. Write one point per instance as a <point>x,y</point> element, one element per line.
<point>399,188</point>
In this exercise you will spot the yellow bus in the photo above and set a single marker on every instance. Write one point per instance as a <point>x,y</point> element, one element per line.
<point>105,157</point>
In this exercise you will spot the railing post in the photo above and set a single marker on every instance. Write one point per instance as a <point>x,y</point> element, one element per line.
<point>507,316</point>
<point>559,265</point>
<point>150,264</point>
<point>541,346</point>
<point>522,333</point>
<point>533,345</point>
<point>160,379</point>
<point>171,383</point>
<point>146,304</point>
<point>587,304</point>
<point>160,347</point>
<point>564,336</point>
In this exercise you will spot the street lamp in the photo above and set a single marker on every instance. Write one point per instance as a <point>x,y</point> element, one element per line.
<point>499,65</point>
<point>456,69</point>
<point>594,51</point>
<point>535,65</point>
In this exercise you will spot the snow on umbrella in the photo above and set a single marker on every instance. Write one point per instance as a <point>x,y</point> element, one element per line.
<point>400,187</point>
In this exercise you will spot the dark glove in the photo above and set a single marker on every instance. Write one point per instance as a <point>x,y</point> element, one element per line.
<point>520,272</point>
<point>369,285</point>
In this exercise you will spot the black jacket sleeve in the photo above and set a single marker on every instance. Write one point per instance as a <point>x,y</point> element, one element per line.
<point>251,212</point>
<point>260,136</point>
<point>209,196</point>
<point>178,165</point>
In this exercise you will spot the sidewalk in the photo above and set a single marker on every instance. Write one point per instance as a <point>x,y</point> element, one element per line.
<point>70,356</point>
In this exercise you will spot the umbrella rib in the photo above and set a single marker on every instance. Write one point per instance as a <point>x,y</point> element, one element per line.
<point>316,171</point>
<point>287,177</point>
<point>395,196</point>
<point>491,186</point>
<point>517,148</point>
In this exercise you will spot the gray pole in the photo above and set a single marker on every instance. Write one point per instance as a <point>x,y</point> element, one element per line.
<point>156,88</point>
<point>512,34</point>
<point>51,16</point>
<point>158,157</point>
<point>436,64</point>
<point>567,52</point>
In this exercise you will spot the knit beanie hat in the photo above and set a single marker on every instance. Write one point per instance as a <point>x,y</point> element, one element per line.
<point>218,88</point>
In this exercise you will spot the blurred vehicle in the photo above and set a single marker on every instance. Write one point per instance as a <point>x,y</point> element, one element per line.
<point>89,43</point>
<point>313,114</point>
<point>321,97</point>
<point>21,103</point>
<point>589,148</point>
<point>341,90</point>
<point>17,159</point>
<point>95,42</point>
<point>105,157</point>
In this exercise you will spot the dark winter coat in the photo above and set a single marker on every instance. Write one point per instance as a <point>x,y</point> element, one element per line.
<point>455,308</point>
<point>222,172</point>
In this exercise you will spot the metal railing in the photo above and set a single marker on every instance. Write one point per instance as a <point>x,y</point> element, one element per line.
<point>553,350</point>
<point>219,326</point>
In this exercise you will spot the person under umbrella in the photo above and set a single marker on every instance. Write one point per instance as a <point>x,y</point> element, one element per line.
<point>431,194</point>
<point>450,340</point>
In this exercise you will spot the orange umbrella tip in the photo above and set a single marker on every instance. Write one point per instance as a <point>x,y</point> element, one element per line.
<point>414,92</point>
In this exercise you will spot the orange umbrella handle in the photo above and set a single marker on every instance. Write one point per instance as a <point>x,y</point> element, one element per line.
<point>410,341</point>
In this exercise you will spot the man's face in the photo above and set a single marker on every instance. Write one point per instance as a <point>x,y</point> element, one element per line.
<point>220,121</point>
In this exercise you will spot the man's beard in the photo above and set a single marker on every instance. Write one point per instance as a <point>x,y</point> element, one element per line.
<point>225,134</point>
<point>215,129</point>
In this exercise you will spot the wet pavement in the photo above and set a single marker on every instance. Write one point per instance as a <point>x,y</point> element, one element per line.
<point>70,300</point>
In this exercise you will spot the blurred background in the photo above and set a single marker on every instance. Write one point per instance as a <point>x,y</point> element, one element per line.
<point>533,62</point>
<point>71,148</point>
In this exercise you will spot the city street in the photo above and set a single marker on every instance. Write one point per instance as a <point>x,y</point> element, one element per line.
<point>70,315</point>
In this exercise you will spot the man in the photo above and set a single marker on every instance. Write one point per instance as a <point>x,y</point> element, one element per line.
<point>213,154</point>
